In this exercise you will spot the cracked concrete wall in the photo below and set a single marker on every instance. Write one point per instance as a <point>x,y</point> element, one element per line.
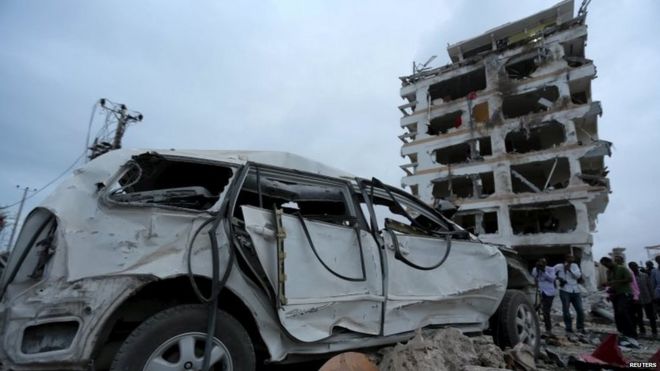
<point>557,54</point>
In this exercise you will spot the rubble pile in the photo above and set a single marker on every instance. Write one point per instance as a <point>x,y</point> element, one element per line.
<point>445,349</point>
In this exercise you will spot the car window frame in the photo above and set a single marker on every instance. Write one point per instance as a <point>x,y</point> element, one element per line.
<point>105,196</point>
<point>381,190</point>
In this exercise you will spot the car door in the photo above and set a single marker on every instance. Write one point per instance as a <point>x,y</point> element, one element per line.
<point>320,261</point>
<point>435,274</point>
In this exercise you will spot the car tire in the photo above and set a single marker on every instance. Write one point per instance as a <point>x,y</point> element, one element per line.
<point>516,321</point>
<point>176,336</point>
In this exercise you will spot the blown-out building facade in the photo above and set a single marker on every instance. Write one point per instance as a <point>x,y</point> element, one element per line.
<point>508,133</point>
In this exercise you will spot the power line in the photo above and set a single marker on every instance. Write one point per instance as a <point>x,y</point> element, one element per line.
<point>18,217</point>
<point>49,183</point>
<point>116,113</point>
<point>110,135</point>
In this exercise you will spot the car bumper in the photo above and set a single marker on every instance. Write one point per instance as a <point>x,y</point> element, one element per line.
<point>55,325</point>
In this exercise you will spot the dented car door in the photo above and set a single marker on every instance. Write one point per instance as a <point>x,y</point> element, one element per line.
<point>319,259</point>
<point>435,274</point>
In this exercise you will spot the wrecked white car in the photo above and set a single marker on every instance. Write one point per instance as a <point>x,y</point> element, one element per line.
<point>131,261</point>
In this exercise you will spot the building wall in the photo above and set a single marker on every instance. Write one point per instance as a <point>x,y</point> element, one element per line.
<point>522,145</point>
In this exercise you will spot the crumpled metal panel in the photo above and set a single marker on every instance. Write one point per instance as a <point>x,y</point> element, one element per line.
<point>89,302</point>
<point>102,240</point>
<point>466,288</point>
<point>317,300</point>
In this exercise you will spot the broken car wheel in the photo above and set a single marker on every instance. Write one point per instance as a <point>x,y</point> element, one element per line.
<point>174,339</point>
<point>516,322</point>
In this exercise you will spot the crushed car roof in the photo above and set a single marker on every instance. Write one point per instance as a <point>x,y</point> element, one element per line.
<point>273,158</point>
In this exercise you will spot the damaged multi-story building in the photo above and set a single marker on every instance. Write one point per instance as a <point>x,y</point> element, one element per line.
<point>507,132</point>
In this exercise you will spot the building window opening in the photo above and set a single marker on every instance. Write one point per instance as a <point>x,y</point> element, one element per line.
<point>456,154</point>
<point>484,147</point>
<point>594,172</point>
<point>456,187</point>
<point>487,184</point>
<point>580,91</point>
<point>539,100</point>
<point>459,86</point>
<point>586,130</point>
<point>464,186</point>
<point>442,124</point>
<point>540,175</point>
<point>467,221</point>
<point>537,138</point>
<point>490,223</point>
<point>519,69</point>
<point>547,217</point>
<point>574,48</point>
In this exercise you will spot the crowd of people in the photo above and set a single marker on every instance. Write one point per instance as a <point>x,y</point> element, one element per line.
<point>634,292</point>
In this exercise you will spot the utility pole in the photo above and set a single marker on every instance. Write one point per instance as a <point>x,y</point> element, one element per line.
<point>116,114</point>
<point>18,218</point>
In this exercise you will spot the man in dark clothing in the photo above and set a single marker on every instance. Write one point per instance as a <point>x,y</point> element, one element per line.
<point>645,302</point>
<point>649,267</point>
<point>618,283</point>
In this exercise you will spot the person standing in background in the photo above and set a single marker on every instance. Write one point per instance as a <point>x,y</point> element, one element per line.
<point>618,283</point>
<point>645,303</point>
<point>655,282</point>
<point>568,273</point>
<point>634,288</point>
<point>545,281</point>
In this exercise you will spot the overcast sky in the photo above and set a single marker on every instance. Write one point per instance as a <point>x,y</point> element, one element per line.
<point>319,79</point>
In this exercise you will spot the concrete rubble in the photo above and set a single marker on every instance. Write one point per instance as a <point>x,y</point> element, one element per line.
<point>448,349</point>
<point>445,349</point>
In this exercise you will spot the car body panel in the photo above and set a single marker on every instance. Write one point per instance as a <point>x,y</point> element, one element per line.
<point>465,288</point>
<point>107,251</point>
<point>318,301</point>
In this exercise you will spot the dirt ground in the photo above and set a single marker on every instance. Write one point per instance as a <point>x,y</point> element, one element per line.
<point>449,350</point>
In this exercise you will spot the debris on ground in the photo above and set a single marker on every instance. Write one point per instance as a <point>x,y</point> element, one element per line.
<point>445,349</point>
<point>349,361</point>
<point>607,354</point>
<point>561,349</point>
<point>521,357</point>
<point>448,349</point>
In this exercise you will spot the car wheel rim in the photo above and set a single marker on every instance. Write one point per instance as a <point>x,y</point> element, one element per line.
<point>525,326</point>
<point>186,352</point>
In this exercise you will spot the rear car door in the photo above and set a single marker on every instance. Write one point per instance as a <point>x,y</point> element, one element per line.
<point>320,261</point>
<point>435,274</point>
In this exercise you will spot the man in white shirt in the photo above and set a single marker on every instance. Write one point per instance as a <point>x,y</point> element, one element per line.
<point>545,281</point>
<point>568,274</point>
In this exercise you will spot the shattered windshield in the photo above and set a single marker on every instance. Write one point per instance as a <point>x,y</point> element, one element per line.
<point>395,208</point>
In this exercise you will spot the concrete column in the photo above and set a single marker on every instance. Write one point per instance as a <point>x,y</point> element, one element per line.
<point>425,189</point>
<point>422,106</point>
<point>570,131</point>
<point>502,176</point>
<point>421,95</point>
<point>497,136</point>
<point>575,168</point>
<point>504,224</point>
<point>588,270</point>
<point>425,159</point>
<point>582,217</point>
<point>564,91</point>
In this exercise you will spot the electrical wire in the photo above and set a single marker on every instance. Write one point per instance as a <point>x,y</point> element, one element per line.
<point>318,257</point>
<point>63,173</point>
<point>89,125</point>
